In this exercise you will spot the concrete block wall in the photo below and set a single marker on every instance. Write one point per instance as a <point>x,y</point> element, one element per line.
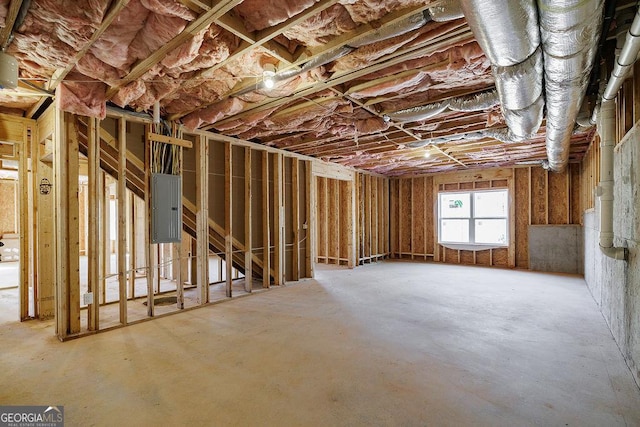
<point>615,285</point>
<point>556,248</point>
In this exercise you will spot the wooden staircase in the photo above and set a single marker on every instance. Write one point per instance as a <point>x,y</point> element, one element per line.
<point>136,184</point>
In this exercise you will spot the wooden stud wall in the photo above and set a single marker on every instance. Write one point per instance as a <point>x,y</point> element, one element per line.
<point>536,197</point>
<point>372,220</point>
<point>254,181</point>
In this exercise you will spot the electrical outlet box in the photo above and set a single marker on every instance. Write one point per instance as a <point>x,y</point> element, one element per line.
<point>87,298</point>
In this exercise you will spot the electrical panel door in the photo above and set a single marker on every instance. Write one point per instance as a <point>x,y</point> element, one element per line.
<point>166,208</point>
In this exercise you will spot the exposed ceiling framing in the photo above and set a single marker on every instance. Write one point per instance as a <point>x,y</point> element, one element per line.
<point>336,111</point>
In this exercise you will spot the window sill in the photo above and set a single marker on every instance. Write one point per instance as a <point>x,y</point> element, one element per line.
<point>471,246</point>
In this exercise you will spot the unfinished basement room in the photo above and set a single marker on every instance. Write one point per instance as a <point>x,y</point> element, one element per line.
<point>320,212</point>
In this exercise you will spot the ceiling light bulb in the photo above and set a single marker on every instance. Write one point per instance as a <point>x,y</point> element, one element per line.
<point>269,83</point>
<point>268,76</point>
<point>427,154</point>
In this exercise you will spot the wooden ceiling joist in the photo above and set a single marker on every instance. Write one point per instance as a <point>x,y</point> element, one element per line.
<point>194,27</point>
<point>60,74</point>
<point>9,21</point>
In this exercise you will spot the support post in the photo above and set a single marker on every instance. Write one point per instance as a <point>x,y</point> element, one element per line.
<point>266,252</point>
<point>248,263</point>
<point>122,218</point>
<point>94,247</point>
<point>67,226</point>
<point>228,216</point>
<point>295,201</point>
<point>278,178</point>
<point>202,219</point>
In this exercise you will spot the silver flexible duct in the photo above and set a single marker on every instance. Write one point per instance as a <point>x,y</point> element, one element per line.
<point>413,22</point>
<point>475,102</point>
<point>507,31</point>
<point>447,10</point>
<point>570,32</point>
<point>502,135</point>
<point>415,114</point>
<point>316,62</point>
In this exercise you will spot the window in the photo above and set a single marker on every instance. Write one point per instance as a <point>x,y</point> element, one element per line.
<point>474,218</point>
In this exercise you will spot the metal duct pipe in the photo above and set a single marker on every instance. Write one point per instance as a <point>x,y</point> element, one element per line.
<point>507,31</point>
<point>475,102</point>
<point>316,62</point>
<point>570,34</point>
<point>502,135</point>
<point>605,187</point>
<point>447,10</point>
<point>625,60</point>
<point>413,22</point>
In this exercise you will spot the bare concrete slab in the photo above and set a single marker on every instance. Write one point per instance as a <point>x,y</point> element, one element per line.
<point>387,344</point>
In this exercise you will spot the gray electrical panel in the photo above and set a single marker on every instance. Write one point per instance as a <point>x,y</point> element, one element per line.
<point>166,208</point>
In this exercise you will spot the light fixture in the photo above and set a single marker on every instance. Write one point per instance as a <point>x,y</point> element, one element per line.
<point>427,154</point>
<point>268,76</point>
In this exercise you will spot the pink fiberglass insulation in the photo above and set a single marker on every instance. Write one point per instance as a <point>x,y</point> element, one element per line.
<point>40,55</point>
<point>93,67</point>
<point>364,11</point>
<point>113,45</point>
<point>129,93</point>
<point>83,97</point>
<point>432,30</point>
<point>201,92</point>
<point>157,31</point>
<point>155,90</point>
<point>53,32</point>
<point>252,119</point>
<point>246,122</point>
<point>71,21</point>
<point>365,55</point>
<point>495,117</point>
<point>321,28</point>
<point>170,8</point>
<point>213,113</point>
<point>186,52</point>
<point>371,125</point>
<point>260,14</point>
<point>400,83</point>
<point>286,87</point>
<point>309,115</point>
<point>216,46</point>
<point>10,100</point>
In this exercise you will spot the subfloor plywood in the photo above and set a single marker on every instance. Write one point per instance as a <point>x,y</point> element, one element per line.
<point>444,345</point>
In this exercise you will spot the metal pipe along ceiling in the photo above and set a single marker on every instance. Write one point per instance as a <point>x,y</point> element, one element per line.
<point>507,31</point>
<point>625,60</point>
<point>476,102</point>
<point>570,31</point>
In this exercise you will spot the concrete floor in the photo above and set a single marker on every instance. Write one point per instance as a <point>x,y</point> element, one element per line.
<point>386,344</point>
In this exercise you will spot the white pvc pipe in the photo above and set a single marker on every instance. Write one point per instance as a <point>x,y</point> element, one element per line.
<point>625,60</point>
<point>605,187</point>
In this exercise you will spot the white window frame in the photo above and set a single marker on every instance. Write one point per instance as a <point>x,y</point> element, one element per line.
<point>472,245</point>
